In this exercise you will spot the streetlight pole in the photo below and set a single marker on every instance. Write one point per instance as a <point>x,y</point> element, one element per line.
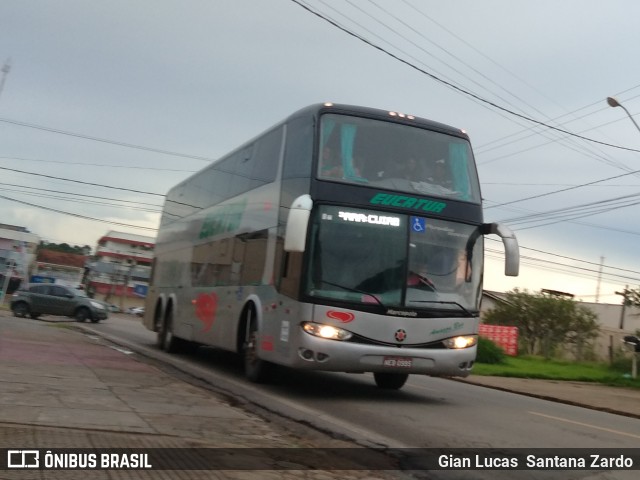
<point>615,103</point>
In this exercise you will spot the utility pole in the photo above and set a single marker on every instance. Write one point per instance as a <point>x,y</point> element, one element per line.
<point>5,71</point>
<point>599,280</point>
<point>625,296</point>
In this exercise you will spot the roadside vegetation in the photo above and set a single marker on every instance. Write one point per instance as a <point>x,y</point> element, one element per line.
<point>492,361</point>
<point>548,323</point>
<point>555,342</point>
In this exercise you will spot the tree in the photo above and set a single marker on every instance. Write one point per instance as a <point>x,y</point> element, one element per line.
<point>65,248</point>
<point>632,297</point>
<point>545,321</point>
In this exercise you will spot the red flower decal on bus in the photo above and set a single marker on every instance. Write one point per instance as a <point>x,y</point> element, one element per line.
<point>344,317</point>
<point>206,305</point>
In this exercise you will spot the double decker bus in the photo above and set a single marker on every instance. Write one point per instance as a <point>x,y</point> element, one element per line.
<point>342,239</point>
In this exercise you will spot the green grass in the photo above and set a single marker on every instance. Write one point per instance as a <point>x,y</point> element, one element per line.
<point>535,367</point>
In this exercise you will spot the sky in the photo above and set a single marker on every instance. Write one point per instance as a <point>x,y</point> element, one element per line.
<point>104,106</point>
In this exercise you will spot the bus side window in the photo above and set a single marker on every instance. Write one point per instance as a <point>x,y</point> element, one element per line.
<point>290,277</point>
<point>299,150</point>
<point>266,157</point>
<point>241,171</point>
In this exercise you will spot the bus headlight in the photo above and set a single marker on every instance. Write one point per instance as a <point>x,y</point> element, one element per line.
<point>463,341</point>
<point>326,331</point>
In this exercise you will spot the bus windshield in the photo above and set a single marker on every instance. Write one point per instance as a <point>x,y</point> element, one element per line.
<point>394,260</point>
<point>396,157</point>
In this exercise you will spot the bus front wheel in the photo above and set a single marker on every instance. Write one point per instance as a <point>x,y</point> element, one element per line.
<point>255,369</point>
<point>390,381</point>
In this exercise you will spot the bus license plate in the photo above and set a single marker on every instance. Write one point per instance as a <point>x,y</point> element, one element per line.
<point>402,362</point>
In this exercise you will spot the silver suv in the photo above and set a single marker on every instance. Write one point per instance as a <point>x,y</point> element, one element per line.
<point>48,299</point>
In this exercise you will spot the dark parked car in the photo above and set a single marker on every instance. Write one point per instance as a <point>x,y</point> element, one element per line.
<point>49,299</point>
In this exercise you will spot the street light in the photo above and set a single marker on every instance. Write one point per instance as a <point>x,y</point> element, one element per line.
<point>615,103</point>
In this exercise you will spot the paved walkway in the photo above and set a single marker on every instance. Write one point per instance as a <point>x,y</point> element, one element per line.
<point>622,401</point>
<point>60,388</point>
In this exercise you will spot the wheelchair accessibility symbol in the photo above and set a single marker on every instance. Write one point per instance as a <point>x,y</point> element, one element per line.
<point>418,224</point>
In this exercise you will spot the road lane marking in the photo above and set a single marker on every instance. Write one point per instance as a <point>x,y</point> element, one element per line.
<point>566,420</point>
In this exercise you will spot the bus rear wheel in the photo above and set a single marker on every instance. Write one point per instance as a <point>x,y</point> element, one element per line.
<point>255,369</point>
<point>168,342</point>
<point>166,339</point>
<point>390,381</point>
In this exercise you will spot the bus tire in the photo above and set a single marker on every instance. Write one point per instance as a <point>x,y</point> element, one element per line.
<point>390,381</point>
<point>166,340</point>
<point>255,370</point>
<point>159,328</point>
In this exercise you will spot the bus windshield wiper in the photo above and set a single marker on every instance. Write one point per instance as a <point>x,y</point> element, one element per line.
<point>467,312</point>
<point>351,289</point>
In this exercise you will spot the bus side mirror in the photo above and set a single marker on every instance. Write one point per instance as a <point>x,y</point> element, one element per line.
<point>295,237</point>
<point>511,249</point>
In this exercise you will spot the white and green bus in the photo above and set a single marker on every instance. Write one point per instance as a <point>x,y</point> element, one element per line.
<point>342,239</point>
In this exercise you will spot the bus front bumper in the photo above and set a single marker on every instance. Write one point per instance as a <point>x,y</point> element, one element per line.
<point>316,353</point>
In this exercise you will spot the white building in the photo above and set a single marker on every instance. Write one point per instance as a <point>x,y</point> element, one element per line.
<point>120,269</point>
<point>17,254</point>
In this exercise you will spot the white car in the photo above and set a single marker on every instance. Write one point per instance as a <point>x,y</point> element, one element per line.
<point>138,311</point>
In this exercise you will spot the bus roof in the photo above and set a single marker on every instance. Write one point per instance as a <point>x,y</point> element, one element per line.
<point>376,113</point>
<point>345,109</point>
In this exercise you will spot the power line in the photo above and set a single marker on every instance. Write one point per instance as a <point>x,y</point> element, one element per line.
<point>593,154</point>
<point>104,140</point>
<point>576,209</point>
<point>406,26</point>
<point>80,194</point>
<point>79,181</point>
<point>88,201</point>
<point>485,147</point>
<point>455,87</point>
<point>564,189</point>
<point>574,259</point>
<point>586,224</point>
<point>577,147</point>
<point>99,165</point>
<point>96,184</point>
<point>77,215</point>
<point>572,267</point>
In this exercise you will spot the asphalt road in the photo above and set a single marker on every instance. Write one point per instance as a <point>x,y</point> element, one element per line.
<point>427,412</point>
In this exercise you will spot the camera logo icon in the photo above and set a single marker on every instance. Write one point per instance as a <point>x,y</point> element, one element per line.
<point>23,459</point>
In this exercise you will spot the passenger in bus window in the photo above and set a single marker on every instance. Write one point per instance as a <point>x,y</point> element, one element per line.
<point>441,175</point>
<point>411,170</point>
<point>330,166</point>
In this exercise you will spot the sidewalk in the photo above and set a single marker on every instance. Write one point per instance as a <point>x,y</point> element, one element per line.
<point>618,400</point>
<point>60,388</point>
